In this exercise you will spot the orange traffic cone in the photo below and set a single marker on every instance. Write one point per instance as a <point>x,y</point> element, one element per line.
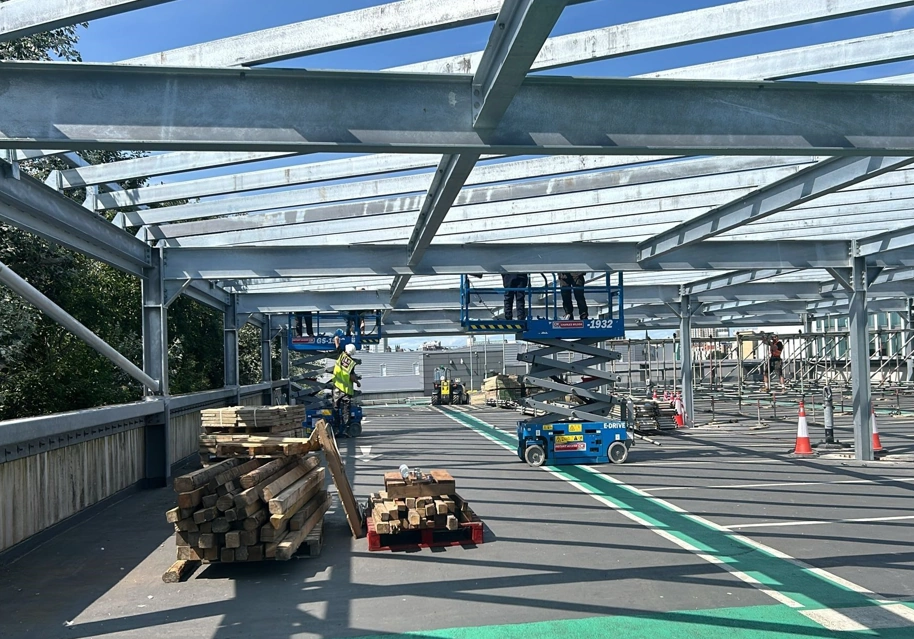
<point>803,447</point>
<point>877,445</point>
<point>655,395</point>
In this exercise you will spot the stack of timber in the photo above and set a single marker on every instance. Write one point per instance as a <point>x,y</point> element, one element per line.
<point>253,431</point>
<point>236,511</point>
<point>502,390</point>
<point>423,511</point>
<point>651,415</point>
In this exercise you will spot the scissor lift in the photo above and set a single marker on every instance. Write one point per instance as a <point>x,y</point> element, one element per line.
<point>307,389</point>
<point>570,368</point>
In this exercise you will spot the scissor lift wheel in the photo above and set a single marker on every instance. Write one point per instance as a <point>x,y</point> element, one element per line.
<point>535,455</point>
<point>618,452</point>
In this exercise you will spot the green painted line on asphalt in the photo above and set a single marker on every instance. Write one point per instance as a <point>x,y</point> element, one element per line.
<point>751,622</point>
<point>781,574</point>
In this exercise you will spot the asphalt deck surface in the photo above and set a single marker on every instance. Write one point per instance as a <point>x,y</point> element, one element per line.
<point>715,533</point>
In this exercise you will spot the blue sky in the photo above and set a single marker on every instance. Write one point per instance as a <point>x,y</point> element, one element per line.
<point>183,22</point>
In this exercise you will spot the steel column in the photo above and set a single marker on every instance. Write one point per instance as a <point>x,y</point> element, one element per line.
<point>266,357</point>
<point>685,345</point>
<point>230,329</point>
<point>860,362</point>
<point>907,339</point>
<point>157,433</point>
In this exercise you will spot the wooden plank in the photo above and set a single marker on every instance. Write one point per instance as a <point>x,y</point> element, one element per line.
<point>335,463</point>
<point>211,554</point>
<point>269,533</point>
<point>221,525</point>
<point>206,514</point>
<point>269,551</point>
<point>186,538</point>
<point>256,520</point>
<point>284,502</point>
<point>227,555</point>
<point>302,512</point>
<point>175,515</point>
<point>452,522</point>
<point>255,553</point>
<point>241,553</point>
<point>209,500</point>
<point>192,481</point>
<point>292,541</point>
<point>179,570</point>
<point>191,499</point>
<point>225,502</point>
<point>234,473</point>
<point>210,540</point>
<point>233,538</point>
<point>290,477</point>
<point>254,493</point>
<point>188,553</point>
<point>435,483</point>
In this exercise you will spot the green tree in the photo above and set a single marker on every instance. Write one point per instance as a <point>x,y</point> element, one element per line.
<point>43,368</point>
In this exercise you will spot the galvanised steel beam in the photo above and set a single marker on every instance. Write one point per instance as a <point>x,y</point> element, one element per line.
<point>882,48</point>
<point>812,182</point>
<point>885,279</point>
<point>732,279</point>
<point>702,25</point>
<point>39,300</point>
<point>32,206</point>
<point>21,18</point>
<point>111,106</point>
<point>574,197</point>
<point>901,240</point>
<point>446,259</point>
<point>155,165</point>
<point>280,302</point>
<point>328,33</point>
<point>357,167</point>
<point>520,29</point>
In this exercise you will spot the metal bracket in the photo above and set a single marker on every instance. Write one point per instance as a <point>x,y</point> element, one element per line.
<point>842,276</point>
<point>10,164</point>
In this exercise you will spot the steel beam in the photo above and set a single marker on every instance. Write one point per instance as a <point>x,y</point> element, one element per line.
<point>32,206</point>
<point>22,18</point>
<point>808,184</point>
<point>624,187</point>
<point>898,241</point>
<point>328,33</point>
<point>155,165</point>
<point>40,301</point>
<point>111,106</point>
<point>882,48</point>
<point>678,29</point>
<point>731,279</point>
<point>520,29</point>
<point>242,263</point>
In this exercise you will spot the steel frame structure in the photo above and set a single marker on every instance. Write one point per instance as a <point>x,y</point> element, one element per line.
<point>798,205</point>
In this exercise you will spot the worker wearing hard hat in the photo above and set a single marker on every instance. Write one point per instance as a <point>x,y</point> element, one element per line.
<point>344,382</point>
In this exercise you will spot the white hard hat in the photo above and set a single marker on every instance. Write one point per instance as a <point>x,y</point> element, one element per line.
<point>350,349</point>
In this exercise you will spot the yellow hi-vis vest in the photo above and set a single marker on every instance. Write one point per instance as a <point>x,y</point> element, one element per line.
<point>342,374</point>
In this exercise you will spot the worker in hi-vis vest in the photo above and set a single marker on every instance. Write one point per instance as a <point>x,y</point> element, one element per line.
<point>344,382</point>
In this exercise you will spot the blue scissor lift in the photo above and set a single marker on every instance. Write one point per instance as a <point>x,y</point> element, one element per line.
<point>314,348</point>
<point>594,426</point>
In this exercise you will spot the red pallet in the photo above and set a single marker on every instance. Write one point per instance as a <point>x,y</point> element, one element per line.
<point>468,532</point>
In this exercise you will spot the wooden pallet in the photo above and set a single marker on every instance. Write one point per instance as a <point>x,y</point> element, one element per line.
<point>469,532</point>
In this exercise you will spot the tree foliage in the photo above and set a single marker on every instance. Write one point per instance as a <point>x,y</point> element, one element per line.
<point>43,368</point>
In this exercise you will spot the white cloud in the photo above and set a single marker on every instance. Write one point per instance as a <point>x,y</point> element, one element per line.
<point>898,15</point>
